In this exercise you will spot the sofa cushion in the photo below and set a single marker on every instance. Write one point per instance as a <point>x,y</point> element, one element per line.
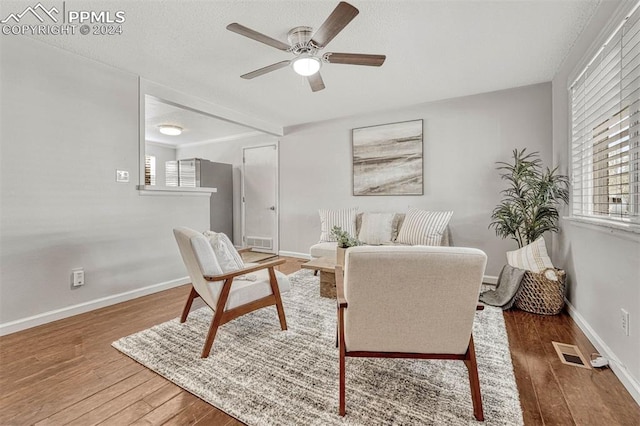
<point>324,249</point>
<point>376,228</point>
<point>344,218</point>
<point>421,227</point>
<point>244,291</point>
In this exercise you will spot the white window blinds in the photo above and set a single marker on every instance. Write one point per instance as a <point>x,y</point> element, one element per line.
<point>149,170</point>
<point>605,114</point>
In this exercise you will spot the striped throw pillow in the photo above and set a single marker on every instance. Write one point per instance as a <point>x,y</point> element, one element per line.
<point>532,257</point>
<point>344,218</point>
<point>421,227</point>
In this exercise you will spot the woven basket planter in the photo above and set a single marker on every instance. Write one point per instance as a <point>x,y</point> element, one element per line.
<point>540,295</point>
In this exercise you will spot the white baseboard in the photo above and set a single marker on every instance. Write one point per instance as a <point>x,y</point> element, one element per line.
<point>69,311</point>
<point>294,254</point>
<point>490,279</point>
<point>629,382</point>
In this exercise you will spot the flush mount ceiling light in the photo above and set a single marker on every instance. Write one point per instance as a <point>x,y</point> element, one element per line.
<point>170,130</point>
<point>306,65</point>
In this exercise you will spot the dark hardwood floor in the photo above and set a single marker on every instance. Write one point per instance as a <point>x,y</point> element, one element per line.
<point>66,372</point>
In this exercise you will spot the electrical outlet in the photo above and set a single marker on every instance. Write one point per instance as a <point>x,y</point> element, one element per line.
<point>624,317</point>
<point>78,277</point>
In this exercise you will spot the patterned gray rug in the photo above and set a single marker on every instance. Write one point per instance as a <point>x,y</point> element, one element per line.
<point>264,376</point>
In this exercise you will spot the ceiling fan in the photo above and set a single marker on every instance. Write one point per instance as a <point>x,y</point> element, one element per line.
<point>306,44</point>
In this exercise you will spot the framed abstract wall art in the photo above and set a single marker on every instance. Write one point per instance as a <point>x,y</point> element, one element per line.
<point>387,159</point>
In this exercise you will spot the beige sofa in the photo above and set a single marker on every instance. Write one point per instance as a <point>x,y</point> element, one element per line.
<point>329,249</point>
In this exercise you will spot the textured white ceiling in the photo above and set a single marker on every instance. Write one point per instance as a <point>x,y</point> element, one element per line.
<point>435,50</point>
<point>196,127</point>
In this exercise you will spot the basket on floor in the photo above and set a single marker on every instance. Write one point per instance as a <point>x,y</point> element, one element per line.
<point>540,295</point>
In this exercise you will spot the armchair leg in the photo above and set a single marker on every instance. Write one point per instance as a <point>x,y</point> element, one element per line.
<point>343,404</point>
<point>474,381</point>
<point>187,307</point>
<point>342,350</point>
<point>217,317</point>
<point>213,329</point>
<point>276,292</point>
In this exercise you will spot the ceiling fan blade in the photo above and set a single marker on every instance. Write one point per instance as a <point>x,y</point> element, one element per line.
<point>252,34</point>
<point>354,59</point>
<point>315,81</point>
<point>339,18</point>
<point>265,70</point>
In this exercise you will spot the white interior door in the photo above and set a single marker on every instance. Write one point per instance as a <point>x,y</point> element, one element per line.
<point>260,198</point>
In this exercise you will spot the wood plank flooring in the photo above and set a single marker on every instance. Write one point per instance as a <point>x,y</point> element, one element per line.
<point>555,393</point>
<point>66,372</point>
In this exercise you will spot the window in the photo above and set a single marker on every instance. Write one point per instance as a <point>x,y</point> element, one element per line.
<point>605,126</point>
<point>149,169</point>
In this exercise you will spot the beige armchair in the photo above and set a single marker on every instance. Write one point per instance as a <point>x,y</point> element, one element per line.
<point>229,299</point>
<point>410,302</point>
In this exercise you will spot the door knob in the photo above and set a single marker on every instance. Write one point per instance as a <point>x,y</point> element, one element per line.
<point>272,208</point>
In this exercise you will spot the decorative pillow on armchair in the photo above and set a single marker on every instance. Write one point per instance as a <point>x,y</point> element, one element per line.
<point>421,227</point>
<point>532,257</point>
<point>376,228</point>
<point>344,218</point>
<point>228,257</point>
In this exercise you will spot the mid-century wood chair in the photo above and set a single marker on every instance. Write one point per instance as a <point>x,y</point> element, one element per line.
<point>229,299</point>
<point>410,302</point>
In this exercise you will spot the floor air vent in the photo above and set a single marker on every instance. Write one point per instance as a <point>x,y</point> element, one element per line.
<point>260,243</point>
<point>571,355</point>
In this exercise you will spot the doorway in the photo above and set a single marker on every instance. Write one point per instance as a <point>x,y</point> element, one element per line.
<point>260,198</point>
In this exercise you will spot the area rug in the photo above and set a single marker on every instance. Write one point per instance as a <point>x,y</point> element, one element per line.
<point>264,376</point>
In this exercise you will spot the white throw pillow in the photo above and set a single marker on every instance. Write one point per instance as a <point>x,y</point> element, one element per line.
<point>532,257</point>
<point>421,227</point>
<point>226,254</point>
<point>376,228</point>
<point>205,256</point>
<point>344,218</point>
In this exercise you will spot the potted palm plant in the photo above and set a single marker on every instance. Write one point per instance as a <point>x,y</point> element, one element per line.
<point>529,207</point>
<point>344,242</point>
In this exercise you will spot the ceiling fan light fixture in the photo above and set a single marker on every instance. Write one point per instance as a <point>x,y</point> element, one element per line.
<point>306,65</point>
<point>170,130</point>
<point>305,44</point>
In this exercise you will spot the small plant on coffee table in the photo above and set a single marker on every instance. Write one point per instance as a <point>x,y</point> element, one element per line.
<point>344,239</point>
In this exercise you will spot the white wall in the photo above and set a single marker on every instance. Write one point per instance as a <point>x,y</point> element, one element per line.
<point>67,124</point>
<point>463,138</point>
<point>229,152</point>
<point>603,265</point>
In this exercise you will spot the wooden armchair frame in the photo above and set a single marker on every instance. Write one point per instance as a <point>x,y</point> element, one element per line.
<point>469,357</point>
<point>222,316</point>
